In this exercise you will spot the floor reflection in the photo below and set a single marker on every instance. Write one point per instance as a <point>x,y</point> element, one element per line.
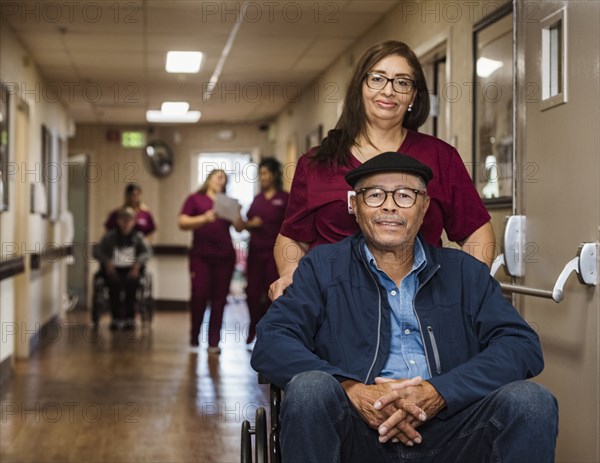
<point>144,395</point>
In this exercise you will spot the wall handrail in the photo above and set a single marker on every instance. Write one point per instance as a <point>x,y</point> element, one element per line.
<point>11,267</point>
<point>528,291</point>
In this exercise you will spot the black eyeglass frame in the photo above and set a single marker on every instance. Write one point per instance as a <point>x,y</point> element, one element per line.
<point>387,192</point>
<point>392,80</point>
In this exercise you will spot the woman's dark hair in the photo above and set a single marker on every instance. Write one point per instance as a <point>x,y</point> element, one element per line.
<point>131,187</point>
<point>129,190</point>
<point>352,121</point>
<point>204,187</point>
<point>273,166</point>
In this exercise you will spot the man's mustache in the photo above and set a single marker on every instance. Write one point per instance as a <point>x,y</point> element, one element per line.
<point>390,218</point>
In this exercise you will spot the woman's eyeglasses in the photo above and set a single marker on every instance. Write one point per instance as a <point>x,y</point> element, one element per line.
<point>399,84</point>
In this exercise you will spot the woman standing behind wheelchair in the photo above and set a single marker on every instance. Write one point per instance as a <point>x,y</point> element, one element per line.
<point>144,221</point>
<point>385,104</point>
<point>264,221</point>
<point>211,258</point>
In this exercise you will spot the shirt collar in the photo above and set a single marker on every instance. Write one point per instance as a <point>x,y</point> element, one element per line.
<point>419,261</point>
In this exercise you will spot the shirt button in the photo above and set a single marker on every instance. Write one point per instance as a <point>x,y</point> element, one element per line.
<point>407,331</point>
<point>412,362</point>
<point>393,293</point>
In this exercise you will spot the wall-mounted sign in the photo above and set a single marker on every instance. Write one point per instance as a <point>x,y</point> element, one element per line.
<point>133,139</point>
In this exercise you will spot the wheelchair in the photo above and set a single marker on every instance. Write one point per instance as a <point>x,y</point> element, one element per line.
<point>101,297</point>
<point>266,448</point>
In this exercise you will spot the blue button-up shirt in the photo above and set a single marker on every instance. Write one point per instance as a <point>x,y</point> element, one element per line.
<point>406,358</point>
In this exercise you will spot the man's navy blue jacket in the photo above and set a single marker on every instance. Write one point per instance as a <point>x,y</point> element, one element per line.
<point>335,318</point>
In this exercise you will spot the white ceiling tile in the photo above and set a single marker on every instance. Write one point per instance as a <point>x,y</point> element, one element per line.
<point>119,47</point>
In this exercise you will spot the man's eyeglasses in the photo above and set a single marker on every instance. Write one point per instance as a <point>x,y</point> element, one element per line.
<point>403,197</point>
<point>399,84</point>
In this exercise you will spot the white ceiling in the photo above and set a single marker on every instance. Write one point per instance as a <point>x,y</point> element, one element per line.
<point>106,58</point>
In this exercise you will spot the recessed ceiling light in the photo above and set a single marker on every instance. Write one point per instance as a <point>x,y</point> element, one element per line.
<point>225,135</point>
<point>184,61</point>
<point>153,115</point>
<point>175,107</point>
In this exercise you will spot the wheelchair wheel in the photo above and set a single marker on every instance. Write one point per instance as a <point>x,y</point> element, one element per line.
<point>274,447</point>
<point>261,451</point>
<point>146,302</point>
<point>145,308</point>
<point>246,450</point>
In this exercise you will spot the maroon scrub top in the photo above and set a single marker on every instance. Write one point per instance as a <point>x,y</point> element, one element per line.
<point>318,213</point>
<point>212,239</point>
<point>271,211</point>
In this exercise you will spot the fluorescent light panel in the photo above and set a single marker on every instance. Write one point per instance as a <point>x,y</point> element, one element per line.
<point>184,61</point>
<point>153,115</point>
<point>175,107</point>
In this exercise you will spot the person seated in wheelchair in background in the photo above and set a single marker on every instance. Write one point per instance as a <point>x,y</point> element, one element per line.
<point>123,253</point>
<point>144,220</point>
<point>390,349</point>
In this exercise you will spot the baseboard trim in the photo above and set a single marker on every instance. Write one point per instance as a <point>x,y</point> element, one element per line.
<point>170,305</point>
<point>52,254</point>
<point>11,267</point>
<point>170,250</point>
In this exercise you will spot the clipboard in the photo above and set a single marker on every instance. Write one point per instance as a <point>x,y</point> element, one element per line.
<point>227,208</point>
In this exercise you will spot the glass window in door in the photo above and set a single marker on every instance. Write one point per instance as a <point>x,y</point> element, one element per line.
<point>493,110</point>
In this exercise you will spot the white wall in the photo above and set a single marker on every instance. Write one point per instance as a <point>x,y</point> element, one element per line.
<point>116,166</point>
<point>33,298</point>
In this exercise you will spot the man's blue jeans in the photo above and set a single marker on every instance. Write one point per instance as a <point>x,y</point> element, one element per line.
<point>516,423</point>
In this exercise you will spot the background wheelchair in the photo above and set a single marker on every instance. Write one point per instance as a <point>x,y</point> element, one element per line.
<point>101,298</point>
<point>266,447</point>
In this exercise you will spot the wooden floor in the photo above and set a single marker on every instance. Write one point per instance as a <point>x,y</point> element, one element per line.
<point>130,397</point>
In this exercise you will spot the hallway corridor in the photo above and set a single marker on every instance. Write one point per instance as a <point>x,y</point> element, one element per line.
<point>142,396</point>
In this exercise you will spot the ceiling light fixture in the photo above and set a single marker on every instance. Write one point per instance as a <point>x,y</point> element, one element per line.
<point>184,61</point>
<point>156,116</point>
<point>175,107</point>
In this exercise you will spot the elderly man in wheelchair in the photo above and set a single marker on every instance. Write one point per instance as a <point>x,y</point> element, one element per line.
<point>389,349</point>
<point>122,254</point>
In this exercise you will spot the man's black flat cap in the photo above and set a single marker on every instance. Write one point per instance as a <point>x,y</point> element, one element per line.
<point>389,162</point>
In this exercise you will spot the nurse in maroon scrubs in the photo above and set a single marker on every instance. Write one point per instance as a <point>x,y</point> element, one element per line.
<point>386,102</point>
<point>211,258</point>
<point>264,221</point>
<point>144,222</point>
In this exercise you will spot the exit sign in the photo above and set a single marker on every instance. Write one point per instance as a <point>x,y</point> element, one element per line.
<point>133,139</point>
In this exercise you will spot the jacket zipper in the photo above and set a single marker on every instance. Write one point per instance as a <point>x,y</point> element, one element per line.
<point>434,345</point>
<point>378,320</point>
<point>436,354</point>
